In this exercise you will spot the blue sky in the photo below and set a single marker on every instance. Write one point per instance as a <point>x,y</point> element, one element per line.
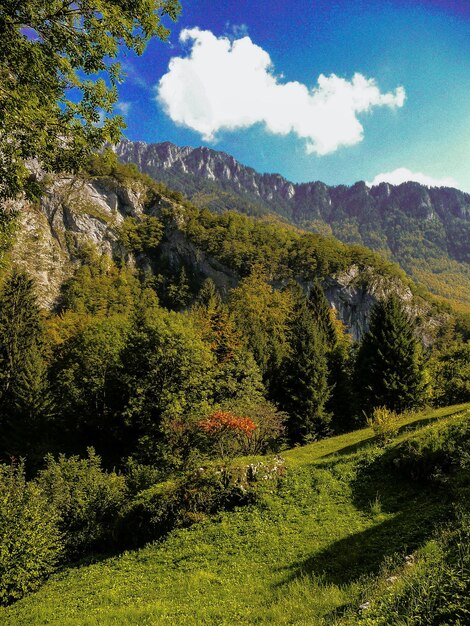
<point>243,77</point>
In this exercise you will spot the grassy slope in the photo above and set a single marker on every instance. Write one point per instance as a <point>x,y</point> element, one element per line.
<point>299,558</point>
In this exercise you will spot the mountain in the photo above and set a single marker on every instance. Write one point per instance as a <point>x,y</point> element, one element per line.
<point>426,230</point>
<point>114,214</point>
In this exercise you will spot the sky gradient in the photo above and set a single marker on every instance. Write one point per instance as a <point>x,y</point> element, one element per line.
<point>336,91</point>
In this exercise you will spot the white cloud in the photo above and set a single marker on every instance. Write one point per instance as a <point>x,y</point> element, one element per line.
<point>403,175</point>
<point>227,85</point>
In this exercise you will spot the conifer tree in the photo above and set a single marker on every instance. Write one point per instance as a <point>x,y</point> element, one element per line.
<point>236,373</point>
<point>19,328</point>
<point>303,385</point>
<point>340,402</point>
<point>178,291</point>
<point>29,429</point>
<point>261,314</point>
<point>390,369</point>
<point>321,312</point>
<point>23,377</point>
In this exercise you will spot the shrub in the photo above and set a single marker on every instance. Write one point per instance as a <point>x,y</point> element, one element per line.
<point>227,434</point>
<point>86,498</point>
<point>384,423</point>
<point>140,476</point>
<point>199,493</point>
<point>269,422</point>
<point>30,541</point>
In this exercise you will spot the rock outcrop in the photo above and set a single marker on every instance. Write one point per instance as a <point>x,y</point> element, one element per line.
<point>383,217</point>
<point>75,212</point>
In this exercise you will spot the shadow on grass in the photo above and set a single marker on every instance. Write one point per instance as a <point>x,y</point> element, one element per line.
<point>351,449</point>
<point>416,508</point>
<point>424,421</point>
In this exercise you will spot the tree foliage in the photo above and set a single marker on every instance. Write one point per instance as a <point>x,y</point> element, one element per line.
<point>30,540</point>
<point>390,369</point>
<point>303,382</point>
<point>51,52</point>
<point>451,374</point>
<point>25,401</point>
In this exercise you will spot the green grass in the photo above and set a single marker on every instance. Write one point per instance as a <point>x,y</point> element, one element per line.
<point>304,555</point>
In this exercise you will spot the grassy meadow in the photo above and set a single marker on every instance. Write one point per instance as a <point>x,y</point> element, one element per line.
<point>308,553</point>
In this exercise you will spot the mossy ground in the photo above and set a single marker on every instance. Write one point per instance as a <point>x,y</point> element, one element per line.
<point>304,555</point>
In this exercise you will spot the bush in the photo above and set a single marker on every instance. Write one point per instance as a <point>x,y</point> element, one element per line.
<point>226,434</point>
<point>384,423</point>
<point>242,428</point>
<point>140,476</point>
<point>176,503</point>
<point>269,422</point>
<point>30,541</point>
<point>86,498</point>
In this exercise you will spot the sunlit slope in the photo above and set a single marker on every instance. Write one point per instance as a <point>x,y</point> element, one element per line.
<point>297,558</point>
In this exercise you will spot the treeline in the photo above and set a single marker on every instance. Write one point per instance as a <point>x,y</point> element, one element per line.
<point>114,369</point>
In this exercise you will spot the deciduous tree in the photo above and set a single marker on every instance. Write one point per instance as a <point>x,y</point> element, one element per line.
<point>51,53</point>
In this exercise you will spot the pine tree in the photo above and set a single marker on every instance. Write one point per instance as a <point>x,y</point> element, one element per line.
<point>236,373</point>
<point>303,385</point>
<point>178,291</point>
<point>340,402</point>
<point>215,323</point>
<point>29,425</point>
<point>390,369</point>
<point>261,314</point>
<point>21,365</point>
<point>322,314</point>
<point>20,328</point>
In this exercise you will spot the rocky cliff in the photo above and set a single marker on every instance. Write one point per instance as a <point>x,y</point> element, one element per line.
<point>188,167</point>
<point>75,212</point>
<point>425,230</point>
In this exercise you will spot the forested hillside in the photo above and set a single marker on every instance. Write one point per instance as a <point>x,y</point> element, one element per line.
<point>147,344</point>
<point>222,401</point>
<point>425,230</point>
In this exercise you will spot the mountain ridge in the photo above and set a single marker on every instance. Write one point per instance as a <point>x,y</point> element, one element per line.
<point>426,230</point>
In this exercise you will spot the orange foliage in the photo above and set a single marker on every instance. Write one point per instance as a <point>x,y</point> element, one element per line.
<point>227,421</point>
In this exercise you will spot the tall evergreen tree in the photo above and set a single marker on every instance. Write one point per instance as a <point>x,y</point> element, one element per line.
<point>19,328</point>
<point>341,403</point>
<point>321,312</point>
<point>21,364</point>
<point>261,314</point>
<point>338,343</point>
<point>236,374</point>
<point>303,385</point>
<point>390,368</point>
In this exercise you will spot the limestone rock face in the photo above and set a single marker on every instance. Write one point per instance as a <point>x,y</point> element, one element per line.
<point>354,293</point>
<point>76,212</point>
<point>72,212</point>
<point>383,217</point>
